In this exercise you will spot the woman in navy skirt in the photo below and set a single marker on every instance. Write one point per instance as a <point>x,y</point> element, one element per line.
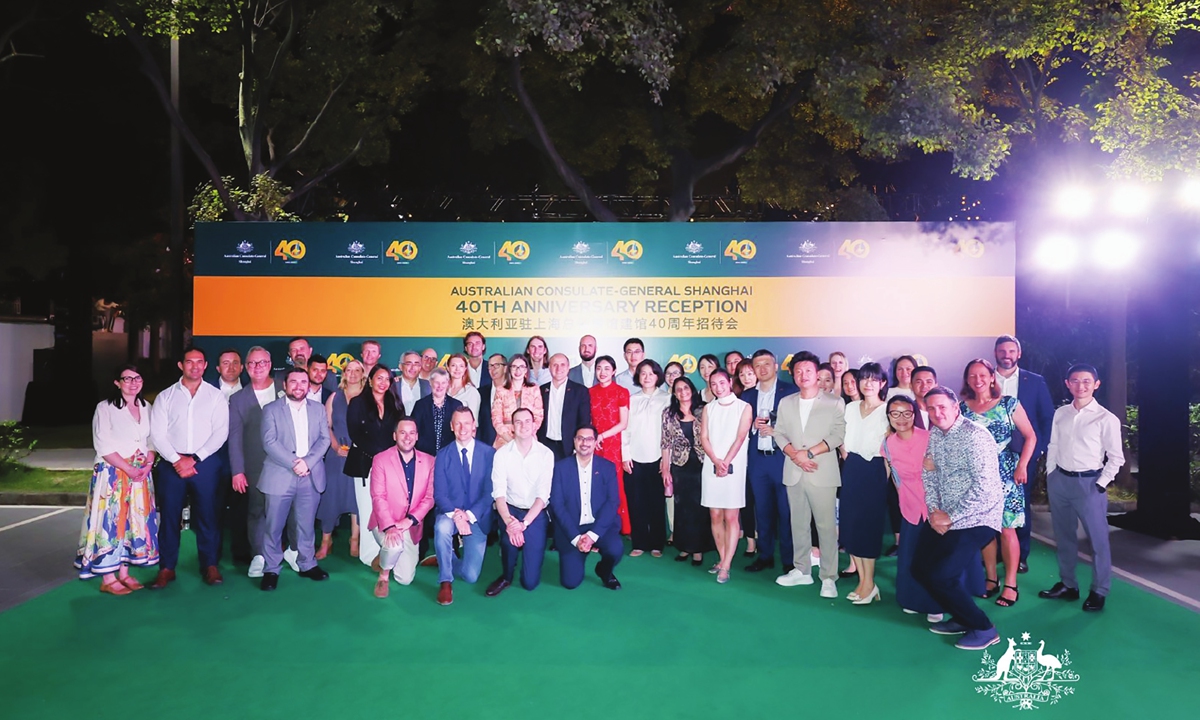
<point>864,481</point>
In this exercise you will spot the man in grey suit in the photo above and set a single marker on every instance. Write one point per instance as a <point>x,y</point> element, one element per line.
<point>247,506</point>
<point>810,426</point>
<point>295,436</point>
<point>585,372</point>
<point>409,387</point>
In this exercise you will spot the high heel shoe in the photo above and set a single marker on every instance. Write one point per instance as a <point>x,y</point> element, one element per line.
<point>698,561</point>
<point>681,557</point>
<point>994,591</point>
<point>1005,602</point>
<point>872,596</point>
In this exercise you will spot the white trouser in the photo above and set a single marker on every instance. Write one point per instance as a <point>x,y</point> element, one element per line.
<point>401,560</point>
<point>368,546</point>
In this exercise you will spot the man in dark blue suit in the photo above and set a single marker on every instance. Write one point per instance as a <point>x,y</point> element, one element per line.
<point>229,380</point>
<point>497,366</point>
<point>583,504</point>
<point>566,405</point>
<point>462,499</point>
<point>764,466</point>
<point>433,414</point>
<point>1031,390</point>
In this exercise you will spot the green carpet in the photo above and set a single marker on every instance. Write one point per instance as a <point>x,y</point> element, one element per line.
<point>672,643</point>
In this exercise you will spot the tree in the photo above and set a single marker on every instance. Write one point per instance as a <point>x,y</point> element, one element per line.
<point>314,86</point>
<point>8,43</point>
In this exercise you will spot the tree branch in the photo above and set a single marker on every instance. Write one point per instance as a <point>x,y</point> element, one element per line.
<point>6,37</point>
<point>541,138</point>
<point>278,165</point>
<point>319,177</point>
<point>780,104</point>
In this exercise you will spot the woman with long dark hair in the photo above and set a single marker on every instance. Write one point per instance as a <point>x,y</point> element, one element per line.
<point>610,415</point>
<point>682,460</point>
<point>371,419</point>
<point>121,525</point>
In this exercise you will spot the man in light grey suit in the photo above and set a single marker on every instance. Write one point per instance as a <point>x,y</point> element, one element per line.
<point>247,506</point>
<point>810,426</point>
<point>295,436</point>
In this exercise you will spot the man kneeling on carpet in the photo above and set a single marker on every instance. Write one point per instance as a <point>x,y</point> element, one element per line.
<point>583,503</point>
<point>401,495</point>
<point>462,496</point>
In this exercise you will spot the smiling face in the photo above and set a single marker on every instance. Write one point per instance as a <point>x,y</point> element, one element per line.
<point>1082,385</point>
<point>706,368</point>
<point>942,411</point>
<point>647,379</point>
<point>585,443</point>
<point>634,354</point>
<point>805,374</point>
<point>523,425</point>
<point>296,386</point>
<point>825,381</point>
<point>671,374</point>
<point>406,436</point>
<point>1007,355</point>
<point>193,366</point>
<point>317,373</point>
<point>258,365</point>
<point>457,367</point>
<point>979,379</point>
<point>463,425</point>
<point>429,360</point>
<point>381,381</point>
<point>683,393</point>
<point>370,354</point>
<point>765,368</point>
<point>922,383</point>
<point>353,373</point>
<point>904,371</point>
<point>587,348</point>
<point>473,346</point>
<point>299,351</point>
<point>900,415</point>
<point>229,367</point>
<point>497,367</point>
<point>869,387</point>
<point>731,362</point>
<point>850,387</point>
<point>719,385</point>
<point>838,362</point>
<point>536,349</point>
<point>518,370</point>
<point>747,377</point>
<point>604,372</point>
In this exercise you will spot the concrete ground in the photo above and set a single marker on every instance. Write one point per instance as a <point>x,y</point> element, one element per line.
<point>61,459</point>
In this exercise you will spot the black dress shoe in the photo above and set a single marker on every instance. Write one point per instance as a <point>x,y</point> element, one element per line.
<point>848,573</point>
<point>1094,602</point>
<point>269,581</point>
<point>612,583</point>
<point>498,586</point>
<point>1023,568</point>
<point>314,573</point>
<point>1061,592</point>
<point>760,564</point>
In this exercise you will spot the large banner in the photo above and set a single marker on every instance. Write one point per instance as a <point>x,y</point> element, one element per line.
<point>941,291</point>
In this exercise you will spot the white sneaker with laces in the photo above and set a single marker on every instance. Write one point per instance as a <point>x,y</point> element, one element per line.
<point>829,589</point>
<point>256,567</point>
<point>290,556</point>
<point>794,577</point>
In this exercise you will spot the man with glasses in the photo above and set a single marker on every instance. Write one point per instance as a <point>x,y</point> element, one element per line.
<point>497,368</point>
<point>635,353</point>
<point>409,387</point>
<point>429,360</point>
<point>583,503</point>
<point>247,506</point>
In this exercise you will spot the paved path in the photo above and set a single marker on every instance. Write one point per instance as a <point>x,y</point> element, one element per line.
<point>37,547</point>
<point>61,459</point>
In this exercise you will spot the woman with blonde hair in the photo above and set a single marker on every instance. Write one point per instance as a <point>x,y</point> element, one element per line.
<point>338,498</point>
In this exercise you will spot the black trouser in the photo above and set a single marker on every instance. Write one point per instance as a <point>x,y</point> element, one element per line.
<point>647,507</point>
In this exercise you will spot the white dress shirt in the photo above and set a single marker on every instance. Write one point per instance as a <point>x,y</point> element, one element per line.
<point>1009,385</point>
<point>476,374</point>
<point>1087,439</point>
<point>642,440</point>
<point>588,372</point>
<point>864,436</point>
<point>186,424</point>
<point>115,431</point>
<point>557,396</point>
<point>299,413</point>
<point>409,394</point>
<point>625,380</point>
<point>314,394</point>
<point>585,500</point>
<point>228,389</point>
<point>522,479</point>
<point>540,376</point>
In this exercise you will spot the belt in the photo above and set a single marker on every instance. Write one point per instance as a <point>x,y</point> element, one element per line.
<point>1083,474</point>
<point>764,452</point>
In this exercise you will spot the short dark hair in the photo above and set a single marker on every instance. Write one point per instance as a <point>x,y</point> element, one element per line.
<point>822,366</point>
<point>709,357</point>
<point>605,358</point>
<point>318,358</point>
<point>677,364</point>
<point>720,371</point>
<point>898,400</point>
<point>585,426</point>
<point>513,417</point>
<point>192,349</point>
<point>462,409</point>
<point>873,371</point>
<point>925,368</point>
<point>293,370</point>
<point>734,352</point>
<point>654,368</point>
<point>228,350</point>
<point>1007,339</point>
<point>632,341</point>
<point>1083,367</point>
<point>762,352</point>
<point>804,356</point>
<point>468,337</point>
<point>942,390</point>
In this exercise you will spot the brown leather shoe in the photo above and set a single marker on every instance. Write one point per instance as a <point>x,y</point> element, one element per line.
<point>446,593</point>
<point>381,587</point>
<point>115,588</point>
<point>375,565</point>
<point>212,576</point>
<point>162,578</point>
<point>429,561</point>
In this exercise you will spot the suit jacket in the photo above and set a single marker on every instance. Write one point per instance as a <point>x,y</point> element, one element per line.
<point>246,453</point>
<point>565,502</point>
<point>576,411</point>
<point>422,388</point>
<point>426,431</point>
<point>484,430</point>
<point>782,390</point>
<point>452,489</point>
<point>575,374</point>
<point>390,502</point>
<point>1035,396</point>
<point>279,442</point>
<point>826,422</point>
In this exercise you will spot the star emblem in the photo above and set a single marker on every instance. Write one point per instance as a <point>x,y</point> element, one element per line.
<point>1025,637</point>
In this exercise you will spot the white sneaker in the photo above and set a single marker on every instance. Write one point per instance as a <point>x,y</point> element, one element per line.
<point>912,612</point>
<point>256,567</point>
<point>935,617</point>
<point>794,577</point>
<point>290,556</point>
<point>828,589</point>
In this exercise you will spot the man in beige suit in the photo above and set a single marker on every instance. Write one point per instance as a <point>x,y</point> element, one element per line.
<point>810,426</point>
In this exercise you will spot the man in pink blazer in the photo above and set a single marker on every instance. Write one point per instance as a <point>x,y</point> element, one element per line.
<point>401,497</point>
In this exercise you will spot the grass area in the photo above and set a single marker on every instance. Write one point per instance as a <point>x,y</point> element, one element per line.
<point>27,479</point>
<point>61,436</point>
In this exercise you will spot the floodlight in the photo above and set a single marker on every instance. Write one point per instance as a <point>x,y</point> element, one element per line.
<point>1115,249</point>
<point>1130,200</point>
<point>1073,201</point>
<point>1189,193</point>
<point>1059,253</point>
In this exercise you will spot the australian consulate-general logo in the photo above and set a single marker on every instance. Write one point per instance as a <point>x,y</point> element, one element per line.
<point>581,254</point>
<point>1025,676</point>
<point>694,254</point>
<point>807,253</point>
<point>468,254</point>
<point>356,254</point>
<point>245,254</point>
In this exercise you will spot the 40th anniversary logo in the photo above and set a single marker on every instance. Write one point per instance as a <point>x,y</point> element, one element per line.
<point>1025,676</point>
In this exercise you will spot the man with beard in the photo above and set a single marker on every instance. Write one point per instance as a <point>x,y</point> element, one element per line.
<point>585,372</point>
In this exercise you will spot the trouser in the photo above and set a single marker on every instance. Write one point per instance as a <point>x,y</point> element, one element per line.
<point>647,507</point>
<point>893,501</point>
<point>205,493</point>
<point>811,504</point>
<point>294,510</point>
<point>1074,501</point>
<point>1024,532</point>
<point>237,513</point>
<point>368,546</point>
<point>473,547</point>
<point>534,549</point>
<point>225,488</point>
<point>939,564</point>
<point>571,562</point>
<point>401,560</point>
<point>771,512</point>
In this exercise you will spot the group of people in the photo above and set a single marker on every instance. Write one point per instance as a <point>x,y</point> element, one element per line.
<point>542,455</point>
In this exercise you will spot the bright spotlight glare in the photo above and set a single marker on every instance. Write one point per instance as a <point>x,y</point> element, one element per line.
<point>1115,250</point>
<point>1189,193</point>
<point>1131,200</point>
<point>1074,201</point>
<point>1058,253</point>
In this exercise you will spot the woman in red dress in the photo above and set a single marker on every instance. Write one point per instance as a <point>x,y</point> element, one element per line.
<point>610,415</point>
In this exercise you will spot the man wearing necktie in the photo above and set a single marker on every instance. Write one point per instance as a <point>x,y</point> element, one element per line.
<point>462,496</point>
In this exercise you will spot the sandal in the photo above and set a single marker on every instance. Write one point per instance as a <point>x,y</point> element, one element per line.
<point>636,553</point>
<point>1005,602</point>
<point>130,582</point>
<point>115,588</point>
<point>353,547</point>
<point>994,591</point>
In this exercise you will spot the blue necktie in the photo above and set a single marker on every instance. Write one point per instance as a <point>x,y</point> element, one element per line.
<point>466,463</point>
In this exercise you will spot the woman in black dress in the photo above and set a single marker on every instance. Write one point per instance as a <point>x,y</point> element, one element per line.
<point>681,463</point>
<point>371,419</point>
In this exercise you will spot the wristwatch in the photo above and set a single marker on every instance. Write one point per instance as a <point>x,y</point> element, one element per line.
<point>809,454</point>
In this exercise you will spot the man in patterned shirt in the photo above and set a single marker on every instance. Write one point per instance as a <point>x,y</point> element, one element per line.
<point>966,500</point>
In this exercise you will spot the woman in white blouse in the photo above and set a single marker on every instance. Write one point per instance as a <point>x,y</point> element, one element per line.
<point>121,525</point>
<point>864,481</point>
<point>644,488</point>
<point>461,388</point>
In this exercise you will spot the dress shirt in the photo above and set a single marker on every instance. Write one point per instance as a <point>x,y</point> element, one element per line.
<point>585,500</point>
<point>554,413</point>
<point>643,437</point>
<point>965,482</point>
<point>410,473</point>
<point>183,424</point>
<point>588,373</point>
<point>766,404</point>
<point>228,389</point>
<point>314,393</point>
<point>1009,385</point>
<point>625,380</point>
<point>115,431</point>
<point>469,397</point>
<point>265,395</point>
<point>409,394</point>
<point>540,376</point>
<point>476,374</point>
<point>299,413</point>
<point>1086,439</point>
<point>864,436</point>
<point>522,479</point>
<point>458,451</point>
<point>806,406</point>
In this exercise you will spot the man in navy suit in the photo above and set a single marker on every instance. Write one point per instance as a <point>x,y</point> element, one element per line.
<point>229,381</point>
<point>764,466</point>
<point>583,504</point>
<point>1030,389</point>
<point>497,367</point>
<point>462,499</point>
<point>567,405</point>
<point>433,414</point>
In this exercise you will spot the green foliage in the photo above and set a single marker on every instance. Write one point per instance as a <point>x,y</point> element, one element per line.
<point>265,198</point>
<point>13,446</point>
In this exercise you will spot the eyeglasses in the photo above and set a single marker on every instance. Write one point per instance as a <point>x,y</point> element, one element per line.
<point>898,414</point>
<point>258,363</point>
<point>131,379</point>
<point>516,367</point>
<point>496,365</point>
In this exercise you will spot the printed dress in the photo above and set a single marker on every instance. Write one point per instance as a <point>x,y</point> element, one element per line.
<point>999,422</point>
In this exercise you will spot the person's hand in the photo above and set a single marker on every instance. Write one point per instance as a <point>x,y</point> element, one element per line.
<point>666,476</point>
<point>240,483</point>
<point>343,451</point>
<point>300,467</point>
<point>599,442</point>
<point>722,468</point>
<point>628,465</point>
<point>940,521</point>
<point>843,453</point>
<point>805,464</point>
<point>928,464</point>
<point>394,537</point>
<point>1021,475</point>
<point>585,543</point>
<point>764,427</point>
<point>185,466</point>
<point>516,533</point>
<point>405,524</point>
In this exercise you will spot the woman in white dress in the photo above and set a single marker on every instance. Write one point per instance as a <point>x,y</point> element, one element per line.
<point>725,426</point>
